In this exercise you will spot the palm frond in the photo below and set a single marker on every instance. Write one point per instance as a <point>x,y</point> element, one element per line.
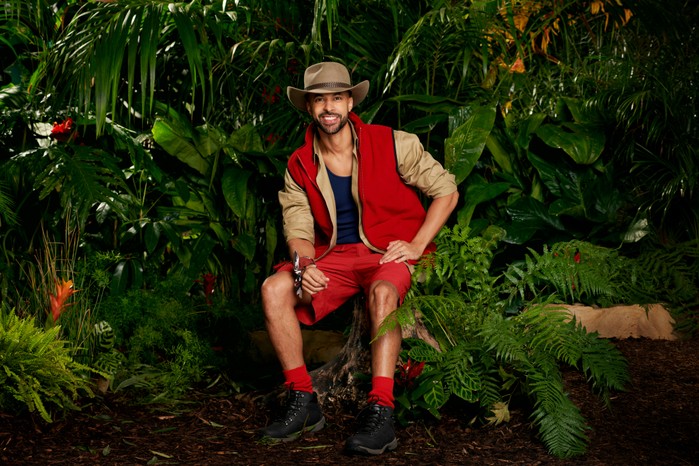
<point>82,179</point>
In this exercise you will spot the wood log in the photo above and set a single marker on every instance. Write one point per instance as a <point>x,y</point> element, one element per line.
<point>338,377</point>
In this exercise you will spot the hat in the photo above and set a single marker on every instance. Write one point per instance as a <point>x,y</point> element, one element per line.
<point>326,78</point>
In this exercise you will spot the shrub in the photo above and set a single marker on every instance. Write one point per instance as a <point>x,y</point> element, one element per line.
<point>36,369</point>
<point>486,357</point>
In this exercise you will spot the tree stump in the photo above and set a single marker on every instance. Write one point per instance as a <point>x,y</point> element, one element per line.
<point>337,378</point>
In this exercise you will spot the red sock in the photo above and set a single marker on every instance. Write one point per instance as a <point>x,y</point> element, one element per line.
<point>382,391</point>
<point>298,379</point>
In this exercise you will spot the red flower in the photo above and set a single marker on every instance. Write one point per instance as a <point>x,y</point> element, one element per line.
<point>64,290</point>
<point>293,66</point>
<point>208,282</point>
<point>64,131</point>
<point>273,96</point>
<point>576,257</point>
<point>408,372</point>
<point>272,138</point>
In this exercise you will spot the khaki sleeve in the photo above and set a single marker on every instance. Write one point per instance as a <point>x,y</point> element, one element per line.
<point>418,168</point>
<point>296,211</point>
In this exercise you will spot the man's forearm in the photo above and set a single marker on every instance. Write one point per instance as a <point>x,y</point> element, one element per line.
<point>303,247</point>
<point>437,215</point>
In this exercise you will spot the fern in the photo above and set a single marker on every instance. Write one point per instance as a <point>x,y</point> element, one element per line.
<point>487,357</point>
<point>576,271</point>
<point>36,368</point>
<point>561,426</point>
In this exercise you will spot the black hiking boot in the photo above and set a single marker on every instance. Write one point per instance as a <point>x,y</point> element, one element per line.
<point>302,414</point>
<point>376,434</point>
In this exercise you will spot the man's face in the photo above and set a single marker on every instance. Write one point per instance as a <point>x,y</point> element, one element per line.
<point>330,112</point>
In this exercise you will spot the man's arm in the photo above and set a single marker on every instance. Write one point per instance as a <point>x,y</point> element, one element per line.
<point>302,246</point>
<point>437,215</point>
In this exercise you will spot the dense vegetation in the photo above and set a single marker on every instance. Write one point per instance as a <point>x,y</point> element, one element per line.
<point>142,145</point>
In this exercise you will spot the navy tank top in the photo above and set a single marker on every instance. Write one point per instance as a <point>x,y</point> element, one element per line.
<point>347,213</point>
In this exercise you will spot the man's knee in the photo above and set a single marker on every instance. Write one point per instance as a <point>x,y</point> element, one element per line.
<point>383,299</point>
<point>275,289</point>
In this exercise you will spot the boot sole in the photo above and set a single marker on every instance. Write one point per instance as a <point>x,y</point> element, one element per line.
<point>390,446</point>
<point>294,436</point>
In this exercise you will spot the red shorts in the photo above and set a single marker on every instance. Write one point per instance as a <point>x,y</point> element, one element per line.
<point>351,268</point>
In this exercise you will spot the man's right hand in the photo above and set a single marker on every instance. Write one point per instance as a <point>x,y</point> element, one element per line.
<point>314,280</point>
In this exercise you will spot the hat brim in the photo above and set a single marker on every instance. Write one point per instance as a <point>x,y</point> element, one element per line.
<point>298,96</point>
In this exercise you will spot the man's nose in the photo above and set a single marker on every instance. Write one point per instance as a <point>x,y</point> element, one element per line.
<point>328,103</point>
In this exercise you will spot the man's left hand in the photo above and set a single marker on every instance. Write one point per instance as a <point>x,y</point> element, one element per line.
<point>401,251</point>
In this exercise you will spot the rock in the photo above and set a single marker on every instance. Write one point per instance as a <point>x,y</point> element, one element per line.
<point>319,346</point>
<point>651,321</point>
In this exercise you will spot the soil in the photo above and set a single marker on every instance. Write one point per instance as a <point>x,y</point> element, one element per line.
<point>654,422</point>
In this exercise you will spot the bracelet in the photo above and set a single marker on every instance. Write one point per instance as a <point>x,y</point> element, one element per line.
<point>306,261</point>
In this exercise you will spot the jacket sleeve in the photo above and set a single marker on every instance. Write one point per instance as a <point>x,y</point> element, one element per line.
<point>296,211</point>
<point>418,168</point>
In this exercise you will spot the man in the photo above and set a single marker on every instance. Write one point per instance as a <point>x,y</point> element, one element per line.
<point>353,222</point>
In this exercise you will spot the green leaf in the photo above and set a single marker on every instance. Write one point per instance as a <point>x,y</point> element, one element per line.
<point>120,278</point>
<point>152,236</point>
<point>246,139</point>
<point>583,143</point>
<point>245,243</point>
<point>476,193</point>
<point>529,216</point>
<point>234,185</point>
<point>167,135</point>
<point>435,395</point>
<point>428,103</point>
<point>465,145</point>
<point>424,124</point>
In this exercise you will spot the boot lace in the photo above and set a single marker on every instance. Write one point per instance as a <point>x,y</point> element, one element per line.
<point>294,405</point>
<point>372,418</point>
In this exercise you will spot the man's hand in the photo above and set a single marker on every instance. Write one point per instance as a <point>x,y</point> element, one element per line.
<point>314,280</point>
<point>400,251</point>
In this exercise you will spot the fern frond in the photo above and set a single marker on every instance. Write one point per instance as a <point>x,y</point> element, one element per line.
<point>550,331</point>
<point>561,425</point>
<point>605,366</point>
<point>500,335</point>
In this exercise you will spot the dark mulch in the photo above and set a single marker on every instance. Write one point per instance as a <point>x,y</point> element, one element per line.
<point>654,422</point>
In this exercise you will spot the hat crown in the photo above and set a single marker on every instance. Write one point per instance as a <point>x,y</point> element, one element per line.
<point>326,78</point>
<point>326,74</point>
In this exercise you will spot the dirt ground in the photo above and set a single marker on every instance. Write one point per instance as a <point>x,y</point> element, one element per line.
<point>654,422</point>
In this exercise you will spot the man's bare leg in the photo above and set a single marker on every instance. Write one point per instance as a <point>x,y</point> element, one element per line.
<point>303,413</point>
<point>377,434</point>
<point>383,299</point>
<point>278,301</point>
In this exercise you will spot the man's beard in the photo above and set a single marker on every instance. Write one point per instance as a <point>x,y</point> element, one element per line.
<point>320,126</point>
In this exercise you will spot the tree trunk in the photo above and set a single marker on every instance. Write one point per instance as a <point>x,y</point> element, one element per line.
<point>337,378</point>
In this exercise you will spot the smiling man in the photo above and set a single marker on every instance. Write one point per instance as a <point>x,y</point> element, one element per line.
<point>353,222</point>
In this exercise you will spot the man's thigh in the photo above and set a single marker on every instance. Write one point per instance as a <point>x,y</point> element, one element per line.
<point>352,269</point>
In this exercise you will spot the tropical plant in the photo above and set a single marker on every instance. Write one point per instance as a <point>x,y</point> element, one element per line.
<point>36,369</point>
<point>648,100</point>
<point>486,357</point>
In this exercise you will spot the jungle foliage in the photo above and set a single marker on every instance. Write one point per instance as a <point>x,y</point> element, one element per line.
<point>142,145</point>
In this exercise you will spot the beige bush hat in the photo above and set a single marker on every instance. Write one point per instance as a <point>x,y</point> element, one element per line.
<point>326,78</point>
